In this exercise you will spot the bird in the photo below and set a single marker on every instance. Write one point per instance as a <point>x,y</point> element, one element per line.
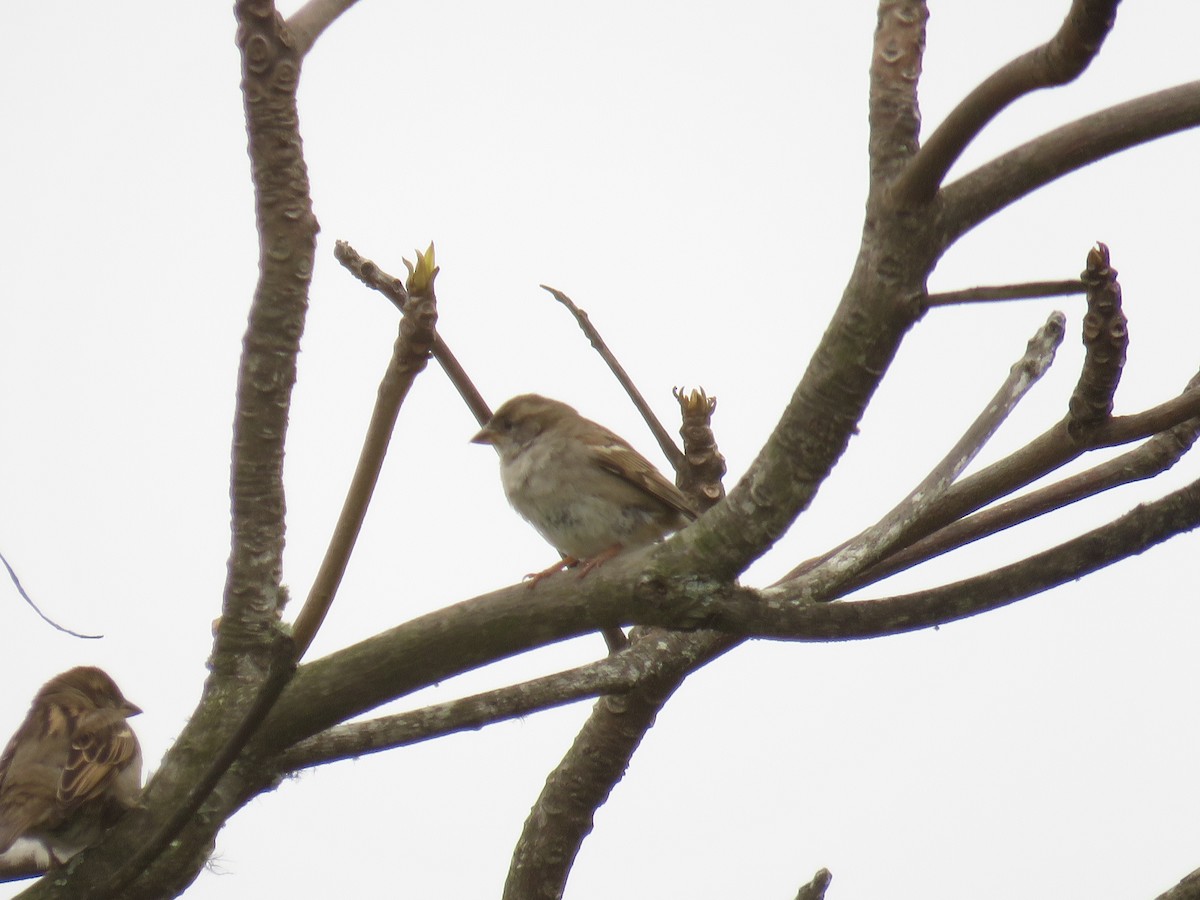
<point>585,490</point>
<point>73,767</point>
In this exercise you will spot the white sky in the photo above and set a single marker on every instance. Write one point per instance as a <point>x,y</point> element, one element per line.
<point>694,176</point>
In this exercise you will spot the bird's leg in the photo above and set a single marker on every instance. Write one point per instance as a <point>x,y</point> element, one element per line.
<point>567,562</point>
<point>602,557</point>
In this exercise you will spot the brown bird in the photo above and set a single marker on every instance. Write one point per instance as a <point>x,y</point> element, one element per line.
<point>584,489</point>
<point>73,767</point>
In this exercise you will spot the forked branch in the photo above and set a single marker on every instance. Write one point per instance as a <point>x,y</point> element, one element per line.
<point>1058,61</point>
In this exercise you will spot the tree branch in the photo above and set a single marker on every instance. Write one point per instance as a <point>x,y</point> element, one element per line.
<point>1034,290</point>
<point>409,355</point>
<point>815,889</point>
<point>792,613</point>
<point>310,21</point>
<point>1154,457</point>
<point>872,545</point>
<point>393,288</point>
<point>248,643</point>
<point>1058,61</point>
<point>597,760</point>
<point>894,113</point>
<point>665,442</point>
<point>613,674</point>
<point>1006,179</point>
<point>1106,337</point>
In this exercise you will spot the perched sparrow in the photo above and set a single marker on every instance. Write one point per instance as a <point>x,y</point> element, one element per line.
<point>584,489</point>
<point>73,767</point>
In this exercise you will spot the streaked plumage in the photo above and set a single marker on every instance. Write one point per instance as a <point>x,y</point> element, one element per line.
<point>73,767</point>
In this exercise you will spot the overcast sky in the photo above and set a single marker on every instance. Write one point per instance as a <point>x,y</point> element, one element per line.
<point>692,174</point>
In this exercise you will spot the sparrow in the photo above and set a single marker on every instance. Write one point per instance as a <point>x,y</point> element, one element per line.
<point>584,489</point>
<point>73,767</point>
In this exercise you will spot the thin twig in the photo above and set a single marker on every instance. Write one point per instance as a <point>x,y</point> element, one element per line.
<point>393,288</point>
<point>45,618</point>
<point>409,354</point>
<point>1033,290</point>
<point>668,446</point>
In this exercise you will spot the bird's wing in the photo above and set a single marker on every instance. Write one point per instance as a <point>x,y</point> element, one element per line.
<point>28,770</point>
<point>620,459</point>
<point>102,745</point>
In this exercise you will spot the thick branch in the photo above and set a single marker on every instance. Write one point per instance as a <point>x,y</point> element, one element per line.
<point>581,783</point>
<point>894,116</point>
<point>1058,61</point>
<point>1001,182</point>
<point>247,644</point>
<point>1187,889</point>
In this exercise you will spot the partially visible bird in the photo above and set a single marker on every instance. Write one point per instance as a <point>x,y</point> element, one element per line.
<point>584,489</point>
<point>73,767</point>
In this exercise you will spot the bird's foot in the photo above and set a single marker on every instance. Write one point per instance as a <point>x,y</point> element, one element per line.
<point>534,578</point>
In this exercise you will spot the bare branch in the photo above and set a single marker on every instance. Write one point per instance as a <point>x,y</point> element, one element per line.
<point>1034,290</point>
<point>1001,182</point>
<point>1154,457</point>
<point>668,446</point>
<point>792,613</point>
<point>1106,337</point>
<point>815,889</point>
<point>1187,889</point>
<point>896,58</point>
<point>580,784</point>
<point>309,21</point>
<point>1058,61</point>
<point>247,646</point>
<point>393,288</point>
<point>409,355</point>
<point>1049,451</point>
<point>873,544</point>
<point>613,674</point>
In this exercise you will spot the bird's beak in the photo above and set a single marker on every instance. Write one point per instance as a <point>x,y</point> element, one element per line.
<point>484,436</point>
<point>130,709</point>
